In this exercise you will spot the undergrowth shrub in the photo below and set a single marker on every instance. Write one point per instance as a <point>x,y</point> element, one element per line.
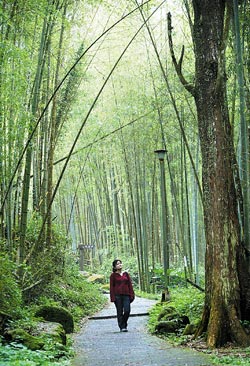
<point>16,354</point>
<point>237,357</point>
<point>46,263</point>
<point>188,301</point>
<point>74,292</point>
<point>69,290</point>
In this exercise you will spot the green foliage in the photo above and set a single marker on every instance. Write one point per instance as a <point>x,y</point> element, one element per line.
<point>68,289</point>
<point>73,292</point>
<point>16,354</point>
<point>177,276</point>
<point>233,357</point>
<point>46,263</point>
<point>188,301</point>
<point>10,299</point>
<point>147,295</point>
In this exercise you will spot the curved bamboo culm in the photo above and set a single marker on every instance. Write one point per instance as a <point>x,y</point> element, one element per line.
<point>52,97</point>
<point>105,136</point>
<point>83,124</point>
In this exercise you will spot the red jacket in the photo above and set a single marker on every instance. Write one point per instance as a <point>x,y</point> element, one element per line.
<point>121,285</point>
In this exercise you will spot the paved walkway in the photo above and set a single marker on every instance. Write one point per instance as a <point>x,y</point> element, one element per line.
<point>100,343</point>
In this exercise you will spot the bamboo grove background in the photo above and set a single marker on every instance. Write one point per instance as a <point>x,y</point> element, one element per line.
<point>88,92</point>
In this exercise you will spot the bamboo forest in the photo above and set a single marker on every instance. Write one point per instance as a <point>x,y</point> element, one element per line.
<point>124,134</point>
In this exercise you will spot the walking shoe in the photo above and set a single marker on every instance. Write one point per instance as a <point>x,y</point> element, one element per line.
<point>124,330</point>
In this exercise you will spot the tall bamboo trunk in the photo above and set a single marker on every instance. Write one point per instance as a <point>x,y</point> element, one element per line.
<point>53,133</point>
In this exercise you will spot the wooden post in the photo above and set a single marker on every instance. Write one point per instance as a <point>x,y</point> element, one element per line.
<point>81,257</point>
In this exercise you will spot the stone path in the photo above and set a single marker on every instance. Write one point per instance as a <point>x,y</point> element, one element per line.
<point>100,343</point>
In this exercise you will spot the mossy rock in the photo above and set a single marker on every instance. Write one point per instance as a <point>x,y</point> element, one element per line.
<point>85,274</point>
<point>21,336</point>
<point>167,313</point>
<point>96,278</point>
<point>58,315</point>
<point>105,288</point>
<point>167,326</point>
<point>53,331</point>
<point>169,321</point>
<point>189,329</point>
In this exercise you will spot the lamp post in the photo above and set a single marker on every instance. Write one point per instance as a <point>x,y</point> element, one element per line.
<point>161,156</point>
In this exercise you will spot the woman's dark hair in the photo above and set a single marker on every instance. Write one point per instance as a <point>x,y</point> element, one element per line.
<point>115,263</point>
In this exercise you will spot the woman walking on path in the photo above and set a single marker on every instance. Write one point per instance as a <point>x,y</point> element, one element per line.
<point>121,293</point>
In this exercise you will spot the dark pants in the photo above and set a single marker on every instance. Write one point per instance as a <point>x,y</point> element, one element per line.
<point>122,303</point>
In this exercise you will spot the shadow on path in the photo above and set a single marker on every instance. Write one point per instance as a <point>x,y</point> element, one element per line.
<point>100,343</point>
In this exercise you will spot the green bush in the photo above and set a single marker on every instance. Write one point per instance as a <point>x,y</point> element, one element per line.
<point>235,357</point>
<point>46,263</point>
<point>73,292</point>
<point>10,299</point>
<point>188,301</point>
<point>69,290</point>
<point>16,354</point>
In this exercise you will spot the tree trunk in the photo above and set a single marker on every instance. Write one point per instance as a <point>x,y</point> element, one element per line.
<point>224,254</point>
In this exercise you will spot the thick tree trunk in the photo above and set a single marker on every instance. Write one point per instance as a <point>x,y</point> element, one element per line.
<point>223,305</point>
